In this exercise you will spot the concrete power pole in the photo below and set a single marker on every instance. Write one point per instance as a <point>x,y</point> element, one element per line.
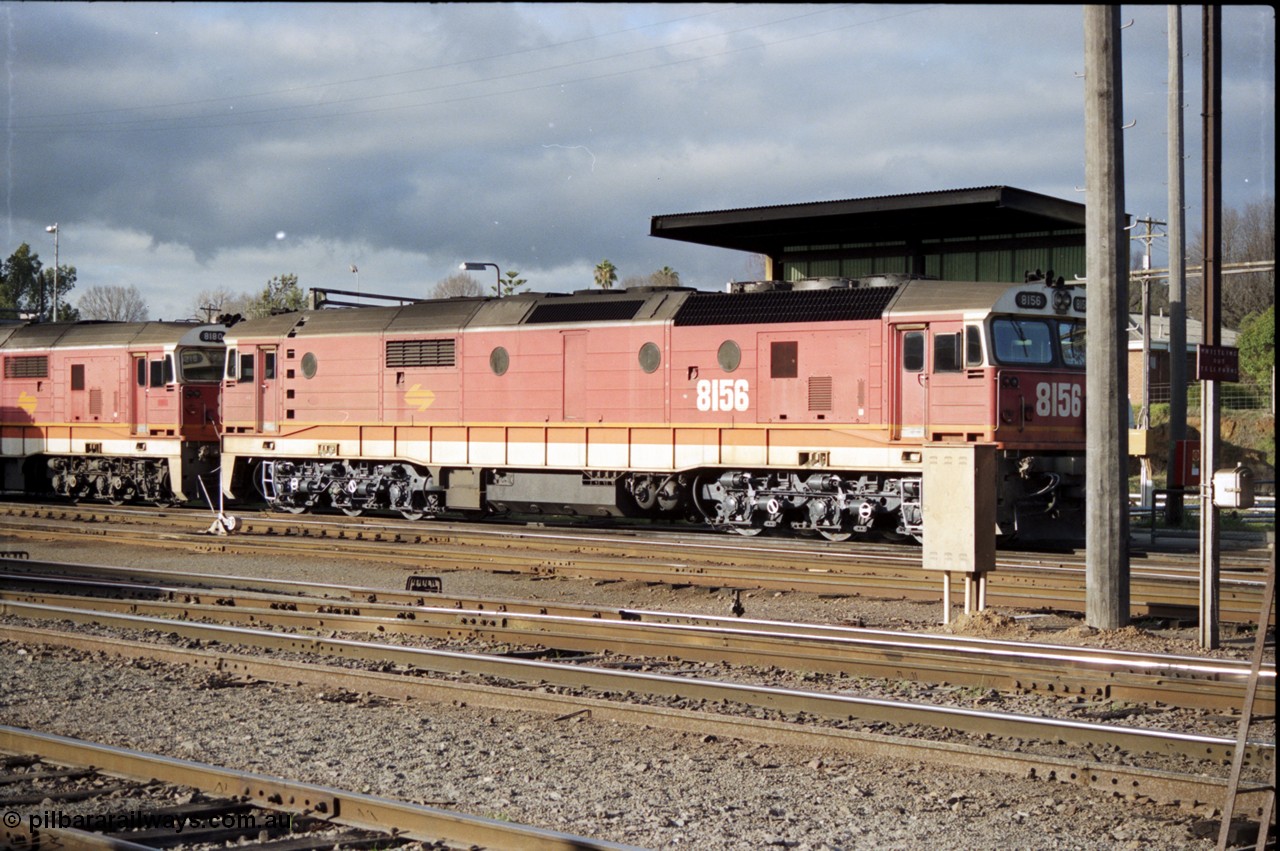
<point>1177,263</point>
<point>1106,268</point>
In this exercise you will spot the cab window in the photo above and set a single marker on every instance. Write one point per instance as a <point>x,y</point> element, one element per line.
<point>1022,341</point>
<point>913,351</point>
<point>1071,342</point>
<point>946,353</point>
<point>201,365</point>
<point>973,345</point>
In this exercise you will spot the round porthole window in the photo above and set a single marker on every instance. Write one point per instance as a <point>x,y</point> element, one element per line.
<point>729,356</point>
<point>650,357</point>
<point>309,365</point>
<point>499,360</point>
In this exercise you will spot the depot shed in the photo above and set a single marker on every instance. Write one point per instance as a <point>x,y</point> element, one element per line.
<point>993,233</point>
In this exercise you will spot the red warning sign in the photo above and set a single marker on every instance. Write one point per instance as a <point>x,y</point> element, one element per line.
<point>1217,363</point>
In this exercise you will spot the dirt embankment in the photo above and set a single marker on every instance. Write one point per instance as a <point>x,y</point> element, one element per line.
<point>1247,437</point>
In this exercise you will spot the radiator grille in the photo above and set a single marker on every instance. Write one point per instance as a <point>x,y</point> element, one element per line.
<point>409,353</point>
<point>602,309</point>
<point>26,366</point>
<point>820,393</point>
<point>770,308</point>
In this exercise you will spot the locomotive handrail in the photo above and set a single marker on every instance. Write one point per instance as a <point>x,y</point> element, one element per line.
<point>319,298</point>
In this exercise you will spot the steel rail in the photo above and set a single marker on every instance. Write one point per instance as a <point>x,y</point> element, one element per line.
<point>249,589</point>
<point>354,809</point>
<point>695,548</point>
<point>1131,677</point>
<point>1195,791</point>
<point>840,707</point>
<point>838,572</point>
<point>262,588</point>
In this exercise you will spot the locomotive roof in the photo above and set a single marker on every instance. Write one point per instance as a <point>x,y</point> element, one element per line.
<point>44,335</point>
<point>440,315</point>
<point>929,296</point>
<point>769,303</point>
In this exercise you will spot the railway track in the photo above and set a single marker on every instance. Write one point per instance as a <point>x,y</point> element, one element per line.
<point>291,634</point>
<point>1020,580</point>
<point>942,659</point>
<point>58,793</point>
<point>790,716</point>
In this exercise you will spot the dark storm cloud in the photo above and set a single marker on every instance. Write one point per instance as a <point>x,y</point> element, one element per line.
<point>201,143</point>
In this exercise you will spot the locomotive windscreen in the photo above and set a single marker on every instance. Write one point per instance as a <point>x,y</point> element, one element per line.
<point>767,308</point>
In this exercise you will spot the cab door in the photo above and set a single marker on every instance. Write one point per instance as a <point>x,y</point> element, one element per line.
<point>911,348</point>
<point>138,395</point>
<point>268,391</point>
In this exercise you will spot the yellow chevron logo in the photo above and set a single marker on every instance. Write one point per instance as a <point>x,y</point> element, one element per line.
<point>27,402</point>
<point>419,398</point>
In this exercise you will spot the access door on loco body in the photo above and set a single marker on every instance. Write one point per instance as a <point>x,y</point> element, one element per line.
<point>263,365</point>
<point>138,395</point>
<point>157,405</point>
<point>911,398</point>
<point>574,376</point>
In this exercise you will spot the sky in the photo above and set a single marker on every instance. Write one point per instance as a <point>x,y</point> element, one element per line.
<point>185,147</point>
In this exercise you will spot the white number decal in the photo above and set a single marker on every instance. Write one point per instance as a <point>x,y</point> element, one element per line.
<point>723,394</point>
<point>1061,399</point>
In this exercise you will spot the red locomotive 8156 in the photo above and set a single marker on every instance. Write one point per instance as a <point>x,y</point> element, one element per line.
<point>802,406</point>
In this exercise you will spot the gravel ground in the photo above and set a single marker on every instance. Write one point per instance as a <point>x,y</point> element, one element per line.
<point>627,784</point>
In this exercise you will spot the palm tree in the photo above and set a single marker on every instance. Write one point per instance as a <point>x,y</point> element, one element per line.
<point>606,275</point>
<point>666,277</point>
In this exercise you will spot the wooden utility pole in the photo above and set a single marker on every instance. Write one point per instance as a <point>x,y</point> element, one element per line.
<point>1106,265</point>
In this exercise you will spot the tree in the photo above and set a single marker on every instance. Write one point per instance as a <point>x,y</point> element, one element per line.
<point>27,286</point>
<point>665,277</point>
<point>118,304</point>
<point>1247,235</point>
<point>510,284</point>
<point>210,304</point>
<point>606,275</point>
<point>1257,342</point>
<point>280,295</point>
<point>457,285</point>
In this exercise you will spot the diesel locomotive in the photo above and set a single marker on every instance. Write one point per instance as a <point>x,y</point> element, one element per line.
<point>801,406</point>
<point>121,412</point>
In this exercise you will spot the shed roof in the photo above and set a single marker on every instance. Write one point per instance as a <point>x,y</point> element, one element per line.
<point>988,210</point>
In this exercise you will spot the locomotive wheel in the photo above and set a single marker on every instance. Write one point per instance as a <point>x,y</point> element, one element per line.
<point>745,531</point>
<point>410,514</point>
<point>353,512</point>
<point>290,509</point>
<point>838,537</point>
